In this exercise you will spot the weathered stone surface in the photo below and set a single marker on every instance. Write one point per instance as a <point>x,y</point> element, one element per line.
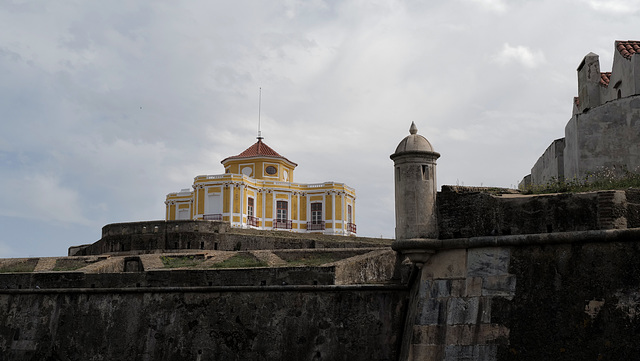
<point>474,214</point>
<point>554,286</point>
<point>159,236</point>
<point>448,264</point>
<point>485,262</point>
<point>179,325</point>
<point>462,310</point>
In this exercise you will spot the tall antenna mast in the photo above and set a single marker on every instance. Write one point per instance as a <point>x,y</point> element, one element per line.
<point>259,110</point>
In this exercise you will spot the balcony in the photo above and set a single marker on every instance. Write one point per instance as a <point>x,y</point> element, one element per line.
<point>315,226</point>
<point>281,224</point>
<point>252,221</point>
<point>212,217</point>
<point>351,227</point>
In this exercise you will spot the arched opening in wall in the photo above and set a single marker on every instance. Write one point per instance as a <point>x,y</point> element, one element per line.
<point>617,86</point>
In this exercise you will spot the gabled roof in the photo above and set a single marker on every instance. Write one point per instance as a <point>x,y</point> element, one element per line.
<point>605,78</point>
<point>628,48</point>
<point>259,149</point>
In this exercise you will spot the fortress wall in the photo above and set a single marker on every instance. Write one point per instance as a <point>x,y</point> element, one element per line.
<point>158,236</point>
<point>550,166</point>
<point>539,297</point>
<point>171,278</point>
<point>607,136</point>
<point>278,323</point>
<point>482,214</point>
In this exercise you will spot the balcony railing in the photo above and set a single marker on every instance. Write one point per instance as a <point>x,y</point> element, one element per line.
<point>252,221</point>
<point>315,226</point>
<point>212,217</point>
<point>281,224</point>
<point>351,227</point>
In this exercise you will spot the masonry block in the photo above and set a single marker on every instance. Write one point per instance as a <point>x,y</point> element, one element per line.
<point>435,288</point>
<point>488,261</point>
<point>431,311</point>
<point>446,264</point>
<point>429,335</point>
<point>426,352</point>
<point>458,287</point>
<point>471,353</point>
<point>462,310</point>
<point>499,286</point>
<point>473,287</point>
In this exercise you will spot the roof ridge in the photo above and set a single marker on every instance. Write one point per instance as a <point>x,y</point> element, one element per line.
<point>257,149</point>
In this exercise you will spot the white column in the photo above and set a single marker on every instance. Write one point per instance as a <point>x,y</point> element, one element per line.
<point>308,218</point>
<point>264,207</point>
<point>242,224</point>
<point>299,213</point>
<point>333,211</point>
<point>274,203</point>
<point>231,191</point>
<point>343,211</point>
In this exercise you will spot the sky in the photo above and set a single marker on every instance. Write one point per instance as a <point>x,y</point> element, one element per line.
<point>108,106</point>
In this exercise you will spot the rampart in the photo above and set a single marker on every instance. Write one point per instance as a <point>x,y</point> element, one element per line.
<point>562,286</point>
<point>464,212</point>
<point>556,296</point>
<point>204,323</point>
<point>162,236</point>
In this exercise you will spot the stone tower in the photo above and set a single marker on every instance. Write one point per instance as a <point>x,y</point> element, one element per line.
<point>415,186</point>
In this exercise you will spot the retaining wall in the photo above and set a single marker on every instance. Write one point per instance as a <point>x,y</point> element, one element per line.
<point>254,323</point>
<point>559,296</point>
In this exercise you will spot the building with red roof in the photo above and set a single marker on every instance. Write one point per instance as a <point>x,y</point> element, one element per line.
<point>257,191</point>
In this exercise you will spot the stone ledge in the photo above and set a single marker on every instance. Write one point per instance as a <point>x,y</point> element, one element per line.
<point>608,235</point>
<point>207,289</point>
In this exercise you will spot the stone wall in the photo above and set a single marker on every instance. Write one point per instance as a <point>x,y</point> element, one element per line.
<point>474,214</point>
<point>162,236</point>
<point>605,137</point>
<point>462,214</point>
<point>274,323</point>
<point>550,166</point>
<point>571,296</point>
<point>171,278</point>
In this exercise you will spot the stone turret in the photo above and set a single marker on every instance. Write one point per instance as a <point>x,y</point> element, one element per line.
<point>415,187</point>
<point>589,82</point>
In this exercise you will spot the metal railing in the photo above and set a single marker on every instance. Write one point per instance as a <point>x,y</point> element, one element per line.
<point>315,226</point>
<point>281,224</point>
<point>351,227</point>
<point>252,221</point>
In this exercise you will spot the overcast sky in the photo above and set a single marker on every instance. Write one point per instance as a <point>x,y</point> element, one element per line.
<point>107,106</point>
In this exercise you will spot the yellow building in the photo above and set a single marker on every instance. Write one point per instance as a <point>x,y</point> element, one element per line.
<point>257,191</point>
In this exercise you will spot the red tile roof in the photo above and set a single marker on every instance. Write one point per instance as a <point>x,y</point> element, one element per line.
<point>259,149</point>
<point>628,48</point>
<point>604,78</point>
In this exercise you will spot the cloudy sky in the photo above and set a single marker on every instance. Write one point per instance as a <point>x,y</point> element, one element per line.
<point>107,106</point>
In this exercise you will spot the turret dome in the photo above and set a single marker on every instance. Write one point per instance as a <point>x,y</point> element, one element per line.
<point>414,142</point>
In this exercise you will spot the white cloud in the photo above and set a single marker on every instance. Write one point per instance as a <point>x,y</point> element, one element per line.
<point>109,106</point>
<point>615,6</point>
<point>520,54</point>
<point>41,197</point>
<point>498,6</point>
